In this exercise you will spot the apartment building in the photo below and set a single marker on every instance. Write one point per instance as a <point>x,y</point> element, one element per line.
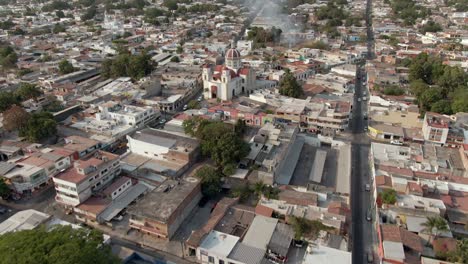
<point>332,116</point>
<point>435,128</point>
<point>89,174</point>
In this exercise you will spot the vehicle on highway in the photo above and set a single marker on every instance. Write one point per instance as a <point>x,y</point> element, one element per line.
<point>367,187</point>
<point>364,98</point>
<point>396,142</point>
<point>365,116</point>
<point>369,215</point>
<point>370,257</point>
<point>366,129</point>
<point>359,99</point>
<point>298,243</point>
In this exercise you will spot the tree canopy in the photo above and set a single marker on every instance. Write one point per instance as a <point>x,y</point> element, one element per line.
<point>62,244</point>
<point>389,196</point>
<point>436,85</point>
<point>218,140</point>
<point>261,36</point>
<point>4,189</point>
<point>210,179</point>
<point>15,118</point>
<point>125,64</point>
<point>66,67</point>
<point>289,86</point>
<point>39,126</point>
<point>408,11</point>
<point>8,56</point>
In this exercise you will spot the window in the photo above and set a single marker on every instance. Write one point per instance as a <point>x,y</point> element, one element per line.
<point>210,259</point>
<point>221,261</point>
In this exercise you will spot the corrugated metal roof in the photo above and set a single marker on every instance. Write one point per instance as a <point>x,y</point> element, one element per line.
<point>247,254</point>
<point>289,163</point>
<point>317,168</point>
<point>281,239</point>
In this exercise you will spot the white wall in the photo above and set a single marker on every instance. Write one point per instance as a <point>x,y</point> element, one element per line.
<point>146,149</point>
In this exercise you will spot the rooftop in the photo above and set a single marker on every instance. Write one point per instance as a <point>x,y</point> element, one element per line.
<point>219,243</point>
<point>23,220</point>
<point>163,201</point>
<point>260,232</point>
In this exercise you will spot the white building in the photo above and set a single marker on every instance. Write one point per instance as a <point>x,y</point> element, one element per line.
<point>126,114</point>
<point>76,184</point>
<point>435,128</point>
<point>232,79</point>
<point>22,177</point>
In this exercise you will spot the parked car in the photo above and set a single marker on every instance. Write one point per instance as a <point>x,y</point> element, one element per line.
<point>162,121</point>
<point>185,107</point>
<point>200,98</point>
<point>367,187</point>
<point>370,257</point>
<point>3,209</point>
<point>369,215</point>
<point>298,243</point>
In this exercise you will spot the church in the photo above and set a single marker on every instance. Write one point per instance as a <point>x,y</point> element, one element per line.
<point>229,80</point>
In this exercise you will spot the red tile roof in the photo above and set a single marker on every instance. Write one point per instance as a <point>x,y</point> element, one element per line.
<point>263,210</point>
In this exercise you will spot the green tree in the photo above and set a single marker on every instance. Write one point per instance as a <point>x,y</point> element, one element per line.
<point>40,126</point>
<point>243,192</point>
<point>434,225</point>
<point>4,189</point>
<point>28,91</point>
<point>289,86</point>
<point>180,49</point>
<point>170,4</point>
<point>175,59</point>
<point>431,26</point>
<point>193,104</point>
<point>58,28</point>
<point>89,14</point>
<point>66,67</point>
<point>125,64</point>
<point>78,246</point>
<point>240,127</point>
<point>59,14</point>
<point>8,56</point>
<point>210,180</point>
<point>7,99</point>
<point>389,196</point>
<point>258,188</point>
<point>219,141</point>
<point>442,107</point>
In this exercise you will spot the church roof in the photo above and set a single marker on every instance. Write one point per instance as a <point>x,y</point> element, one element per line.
<point>232,54</point>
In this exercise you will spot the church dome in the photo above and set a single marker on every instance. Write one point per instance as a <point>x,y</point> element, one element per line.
<point>233,54</point>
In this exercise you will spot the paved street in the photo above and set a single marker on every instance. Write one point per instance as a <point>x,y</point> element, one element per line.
<point>363,230</point>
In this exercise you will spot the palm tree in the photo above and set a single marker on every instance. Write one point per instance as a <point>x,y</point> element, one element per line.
<point>434,225</point>
<point>258,188</point>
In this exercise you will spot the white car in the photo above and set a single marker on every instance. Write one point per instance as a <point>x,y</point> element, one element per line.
<point>359,99</point>
<point>364,98</point>
<point>367,187</point>
<point>185,107</point>
<point>396,142</point>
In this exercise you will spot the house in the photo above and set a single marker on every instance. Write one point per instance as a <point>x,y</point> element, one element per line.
<point>23,178</point>
<point>399,245</point>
